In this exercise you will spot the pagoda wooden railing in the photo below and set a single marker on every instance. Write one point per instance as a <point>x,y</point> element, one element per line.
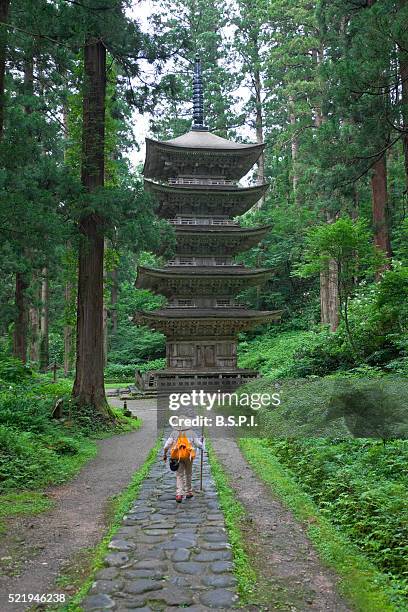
<point>193,264</point>
<point>201,181</point>
<point>205,380</point>
<point>202,222</point>
<point>216,305</point>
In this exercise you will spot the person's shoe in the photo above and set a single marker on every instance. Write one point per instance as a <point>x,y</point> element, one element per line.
<point>189,495</point>
<point>179,499</point>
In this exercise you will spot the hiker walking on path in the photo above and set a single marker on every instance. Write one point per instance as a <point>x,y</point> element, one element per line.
<point>182,443</point>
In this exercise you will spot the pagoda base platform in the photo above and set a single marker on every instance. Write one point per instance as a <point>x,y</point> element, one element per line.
<point>170,379</point>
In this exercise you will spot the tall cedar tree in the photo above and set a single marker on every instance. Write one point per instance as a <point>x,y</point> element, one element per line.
<point>89,384</point>
<point>4,10</point>
<point>21,322</point>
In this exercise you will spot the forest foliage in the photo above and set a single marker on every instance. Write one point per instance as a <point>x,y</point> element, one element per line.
<point>324,84</point>
<point>314,81</point>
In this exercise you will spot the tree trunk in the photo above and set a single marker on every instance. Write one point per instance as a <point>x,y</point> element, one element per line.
<point>105,314</point>
<point>68,330</point>
<point>35,336</point>
<point>260,176</point>
<point>69,294</point>
<point>329,296</point>
<point>404,77</point>
<point>89,384</point>
<point>34,347</point>
<point>114,300</point>
<point>403,66</point>
<point>294,149</point>
<point>4,10</point>
<point>20,326</point>
<point>21,286</point>
<point>324,297</point>
<point>44,322</point>
<point>333,295</point>
<point>380,206</point>
<point>329,291</point>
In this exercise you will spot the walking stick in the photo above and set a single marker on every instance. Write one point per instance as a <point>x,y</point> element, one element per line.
<point>202,456</point>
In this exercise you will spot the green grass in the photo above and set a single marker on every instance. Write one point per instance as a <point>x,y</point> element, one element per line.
<point>123,425</point>
<point>95,557</point>
<point>67,383</point>
<point>234,514</point>
<point>69,465</point>
<point>119,385</point>
<point>22,503</point>
<point>360,582</point>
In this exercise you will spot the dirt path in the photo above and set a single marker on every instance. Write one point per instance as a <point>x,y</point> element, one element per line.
<point>47,542</point>
<point>291,575</point>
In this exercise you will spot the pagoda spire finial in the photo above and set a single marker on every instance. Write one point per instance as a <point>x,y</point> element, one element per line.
<point>198,96</point>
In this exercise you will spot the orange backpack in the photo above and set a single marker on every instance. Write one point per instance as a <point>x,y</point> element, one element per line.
<point>182,449</point>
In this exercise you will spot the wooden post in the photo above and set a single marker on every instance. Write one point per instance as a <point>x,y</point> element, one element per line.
<point>202,459</point>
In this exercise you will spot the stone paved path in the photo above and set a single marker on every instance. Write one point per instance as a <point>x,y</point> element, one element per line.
<point>168,556</point>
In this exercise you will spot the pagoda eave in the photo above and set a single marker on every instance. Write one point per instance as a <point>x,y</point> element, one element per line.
<point>167,159</point>
<point>193,199</point>
<point>217,239</point>
<point>205,323</point>
<point>185,281</point>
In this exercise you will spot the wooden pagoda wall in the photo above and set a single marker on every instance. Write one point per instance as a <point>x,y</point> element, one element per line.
<point>197,354</point>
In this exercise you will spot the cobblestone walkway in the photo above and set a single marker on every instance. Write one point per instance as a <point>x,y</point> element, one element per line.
<point>168,556</point>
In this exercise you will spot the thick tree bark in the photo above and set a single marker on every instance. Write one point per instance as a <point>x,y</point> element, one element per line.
<point>34,332</point>
<point>20,325</point>
<point>34,346</point>
<point>380,206</point>
<point>21,283</point>
<point>105,314</point>
<point>68,332</point>
<point>333,296</point>
<point>259,132</point>
<point>329,296</point>
<point>403,66</point>
<point>329,291</point>
<point>324,297</point>
<point>114,300</point>
<point>89,383</point>
<point>4,10</point>
<point>44,321</point>
<point>329,279</point>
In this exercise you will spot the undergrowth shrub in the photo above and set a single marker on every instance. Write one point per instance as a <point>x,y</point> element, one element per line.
<point>117,372</point>
<point>362,487</point>
<point>12,370</point>
<point>24,461</point>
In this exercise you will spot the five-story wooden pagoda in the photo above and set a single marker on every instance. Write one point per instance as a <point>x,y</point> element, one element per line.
<point>195,178</point>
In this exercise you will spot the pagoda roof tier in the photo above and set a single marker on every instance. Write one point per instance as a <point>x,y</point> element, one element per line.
<point>199,153</point>
<point>196,322</point>
<point>216,239</point>
<point>200,281</point>
<point>203,198</point>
